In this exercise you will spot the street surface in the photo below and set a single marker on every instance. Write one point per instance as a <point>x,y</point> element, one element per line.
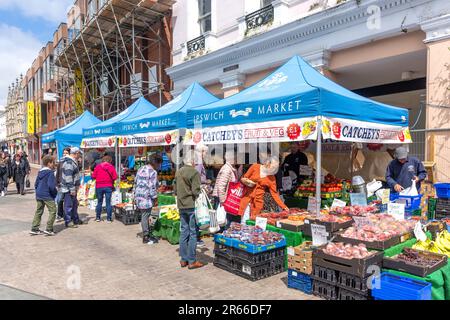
<point>108,261</point>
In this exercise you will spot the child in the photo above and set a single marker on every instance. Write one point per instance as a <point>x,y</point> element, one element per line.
<point>46,192</point>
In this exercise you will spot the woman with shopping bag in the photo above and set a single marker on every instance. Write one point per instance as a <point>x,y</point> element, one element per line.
<point>227,181</point>
<point>104,175</point>
<point>259,179</point>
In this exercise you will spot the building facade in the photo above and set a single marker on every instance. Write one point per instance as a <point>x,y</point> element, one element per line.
<point>393,51</point>
<point>15,117</point>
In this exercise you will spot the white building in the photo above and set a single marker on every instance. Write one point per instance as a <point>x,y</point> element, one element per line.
<point>393,51</point>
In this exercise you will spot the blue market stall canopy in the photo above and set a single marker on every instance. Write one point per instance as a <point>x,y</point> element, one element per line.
<point>157,127</point>
<point>71,134</point>
<point>286,105</point>
<point>107,128</point>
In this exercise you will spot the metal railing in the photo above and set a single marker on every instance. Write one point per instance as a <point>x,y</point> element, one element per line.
<point>417,148</point>
<point>260,17</point>
<point>196,44</point>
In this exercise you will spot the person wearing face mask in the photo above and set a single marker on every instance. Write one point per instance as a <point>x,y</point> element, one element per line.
<point>259,179</point>
<point>403,170</point>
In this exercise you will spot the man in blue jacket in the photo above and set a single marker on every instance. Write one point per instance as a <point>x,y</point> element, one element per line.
<point>403,170</point>
<point>46,192</point>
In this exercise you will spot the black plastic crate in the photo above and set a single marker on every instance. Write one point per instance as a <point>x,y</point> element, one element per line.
<point>348,295</point>
<point>352,283</point>
<point>130,218</point>
<point>323,274</point>
<point>223,261</point>
<point>258,258</point>
<point>257,272</point>
<point>325,290</point>
<point>223,250</point>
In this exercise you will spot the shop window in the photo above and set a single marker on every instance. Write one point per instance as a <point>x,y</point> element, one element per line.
<point>204,15</point>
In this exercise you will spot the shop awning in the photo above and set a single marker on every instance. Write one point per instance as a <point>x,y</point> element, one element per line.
<point>154,128</point>
<point>106,128</point>
<point>71,134</point>
<point>286,105</point>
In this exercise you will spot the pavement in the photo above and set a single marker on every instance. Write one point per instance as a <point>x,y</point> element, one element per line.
<point>108,261</point>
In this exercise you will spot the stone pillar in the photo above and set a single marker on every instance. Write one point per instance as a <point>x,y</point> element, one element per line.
<point>232,83</point>
<point>320,61</point>
<point>438,93</point>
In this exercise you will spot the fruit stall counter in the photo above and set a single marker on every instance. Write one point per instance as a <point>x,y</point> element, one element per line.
<point>440,279</point>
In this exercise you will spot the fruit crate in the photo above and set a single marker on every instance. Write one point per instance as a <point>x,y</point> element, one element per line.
<point>249,258</point>
<point>376,245</point>
<point>393,287</point>
<point>325,290</point>
<point>223,261</point>
<point>223,250</point>
<point>414,269</point>
<point>258,272</point>
<point>411,202</point>
<point>348,295</point>
<point>331,227</point>
<point>326,275</point>
<point>300,281</point>
<point>442,207</point>
<point>129,218</point>
<point>250,248</point>
<point>354,284</point>
<point>442,190</point>
<point>357,267</point>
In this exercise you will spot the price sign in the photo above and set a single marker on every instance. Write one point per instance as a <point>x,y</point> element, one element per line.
<point>291,251</point>
<point>287,183</point>
<point>397,210</point>
<point>338,203</point>
<point>361,221</point>
<point>385,195</point>
<point>261,223</point>
<point>319,234</point>
<point>418,232</point>
<point>305,170</point>
<point>358,199</point>
<point>312,204</point>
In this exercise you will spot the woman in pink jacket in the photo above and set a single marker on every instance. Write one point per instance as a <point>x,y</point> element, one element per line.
<point>228,173</point>
<point>104,175</point>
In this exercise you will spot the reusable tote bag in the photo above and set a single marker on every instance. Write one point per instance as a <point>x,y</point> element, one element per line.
<point>202,211</point>
<point>234,196</point>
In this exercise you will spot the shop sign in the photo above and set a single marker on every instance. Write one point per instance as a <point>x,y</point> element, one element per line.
<point>360,131</point>
<point>274,131</point>
<point>149,139</point>
<point>94,143</point>
<point>30,117</point>
<point>397,210</point>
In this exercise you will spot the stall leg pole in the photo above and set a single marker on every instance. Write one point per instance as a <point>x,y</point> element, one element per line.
<point>82,168</point>
<point>318,165</point>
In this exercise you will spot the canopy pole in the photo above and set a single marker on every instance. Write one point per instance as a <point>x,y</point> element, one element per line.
<point>318,164</point>
<point>82,168</point>
<point>119,165</point>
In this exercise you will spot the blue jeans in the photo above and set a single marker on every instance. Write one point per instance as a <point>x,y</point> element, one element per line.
<point>70,209</point>
<point>104,192</point>
<point>188,236</point>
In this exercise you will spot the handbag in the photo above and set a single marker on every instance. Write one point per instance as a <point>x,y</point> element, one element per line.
<point>203,211</point>
<point>234,196</point>
<point>27,183</point>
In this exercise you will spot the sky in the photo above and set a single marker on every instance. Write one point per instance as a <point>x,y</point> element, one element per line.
<point>25,27</point>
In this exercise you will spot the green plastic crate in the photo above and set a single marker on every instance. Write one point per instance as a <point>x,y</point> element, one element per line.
<point>431,208</point>
<point>165,200</point>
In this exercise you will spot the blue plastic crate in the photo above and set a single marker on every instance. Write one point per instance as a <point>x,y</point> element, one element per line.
<point>442,190</point>
<point>411,202</point>
<point>224,240</point>
<point>305,284</point>
<point>258,249</point>
<point>393,287</point>
<point>298,276</point>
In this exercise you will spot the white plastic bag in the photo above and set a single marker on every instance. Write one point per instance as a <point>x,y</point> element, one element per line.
<point>221,215</point>
<point>411,191</point>
<point>202,211</point>
<point>116,198</point>
<point>246,215</point>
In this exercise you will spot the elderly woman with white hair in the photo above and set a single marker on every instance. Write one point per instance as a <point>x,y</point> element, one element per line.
<point>187,190</point>
<point>259,179</point>
<point>228,173</point>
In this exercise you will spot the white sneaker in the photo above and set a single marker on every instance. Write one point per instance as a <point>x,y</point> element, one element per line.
<point>3,193</point>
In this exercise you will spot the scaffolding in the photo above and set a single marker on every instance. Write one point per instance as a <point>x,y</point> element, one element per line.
<point>120,54</point>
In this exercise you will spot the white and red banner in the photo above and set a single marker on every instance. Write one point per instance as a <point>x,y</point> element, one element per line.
<point>165,138</point>
<point>94,143</point>
<point>270,131</point>
<point>366,132</point>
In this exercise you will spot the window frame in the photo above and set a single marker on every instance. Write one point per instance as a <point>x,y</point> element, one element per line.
<point>204,16</point>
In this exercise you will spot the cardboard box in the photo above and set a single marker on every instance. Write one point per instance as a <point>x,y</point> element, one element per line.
<point>303,251</point>
<point>303,268</point>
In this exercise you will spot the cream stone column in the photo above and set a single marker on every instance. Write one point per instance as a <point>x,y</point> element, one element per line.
<point>232,83</point>
<point>320,61</point>
<point>438,93</point>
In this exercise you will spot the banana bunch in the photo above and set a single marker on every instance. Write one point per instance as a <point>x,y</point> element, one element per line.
<point>173,214</point>
<point>440,245</point>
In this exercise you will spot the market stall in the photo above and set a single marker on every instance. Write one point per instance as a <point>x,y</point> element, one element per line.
<point>159,131</point>
<point>70,135</point>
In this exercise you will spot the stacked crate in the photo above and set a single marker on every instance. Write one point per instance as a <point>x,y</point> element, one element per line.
<point>300,267</point>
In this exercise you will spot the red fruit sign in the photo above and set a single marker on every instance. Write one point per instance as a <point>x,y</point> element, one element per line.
<point>293,131</point>
<point>125,142</point>
<point>168,138</point>
<point>110,142</point>
<point>197,137</point>
<point>337,130</point>
<point>401,136</point>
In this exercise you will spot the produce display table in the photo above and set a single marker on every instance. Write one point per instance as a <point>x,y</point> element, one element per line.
<point>440,280</point>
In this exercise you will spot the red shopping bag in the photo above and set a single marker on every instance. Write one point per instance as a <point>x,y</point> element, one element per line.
<point>234,196</point>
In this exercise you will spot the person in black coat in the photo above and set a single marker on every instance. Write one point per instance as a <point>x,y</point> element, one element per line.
<point>4,173</point>
<point>20,169</point>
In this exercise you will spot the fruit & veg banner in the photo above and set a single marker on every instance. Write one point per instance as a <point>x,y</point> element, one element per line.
<point>94,143</point>
<point>273,131</point>
<point>164,138</point>
<point>360,131</point>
